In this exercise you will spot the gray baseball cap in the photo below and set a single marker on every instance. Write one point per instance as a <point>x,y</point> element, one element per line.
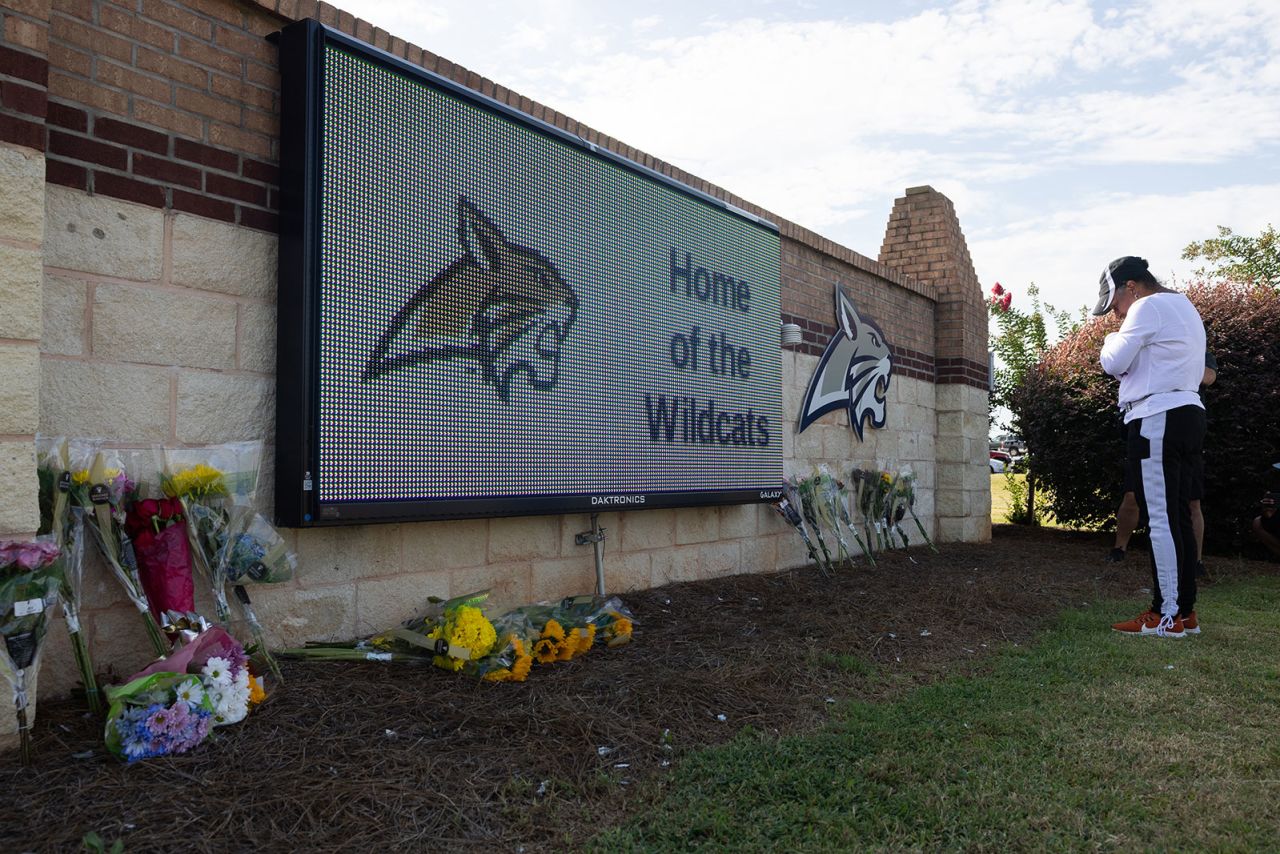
<point>1114,276</point>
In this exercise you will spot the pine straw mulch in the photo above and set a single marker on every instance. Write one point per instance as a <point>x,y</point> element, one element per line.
<point>360,757</point>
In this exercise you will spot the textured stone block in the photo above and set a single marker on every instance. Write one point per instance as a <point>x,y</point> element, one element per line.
<point>63,320</point>
<point>123,403</point>
<point>566,576</point>
<point>445,545</point>
<point>707,560</point>
<point>791,551</point>
<point>119,640</point>
<point>524,538</point>
<point>951,503</point>
<point>19,388</point>
<point>218,256</point>
<point>738,520</point>
<point>509,584</point>
<point>59,674</point>
<point>760,554</point>
<point>19,507</point>
<point>21,194</point>
<point>697,525</point>
<point>952,449</point>
<point>97,234</point>
<point>21,277</point>
<point>383,603</point>
<point>332,555</point>
<point>627,571</point>
<point>216,407</point>
<point>950,423</point>
<point>648,529</point>
<point>257,345</point>
<point>293,616</point>
<point>132,324</point>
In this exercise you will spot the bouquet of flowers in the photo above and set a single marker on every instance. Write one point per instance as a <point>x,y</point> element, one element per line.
<point>789,508</point>
<point>157,526</point>
<point>60,526</point>
<point>53,471</point>
<point>102,491</point>
<point>902,500</point>
<point>569,628</point>
<point>449,634</point>
<point>455,635</point>
<point>172,705</point>
<point>230,543</point>
<point>30,577</point>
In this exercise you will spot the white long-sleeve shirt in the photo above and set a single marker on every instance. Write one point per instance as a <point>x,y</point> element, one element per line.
<point>1158,355</point>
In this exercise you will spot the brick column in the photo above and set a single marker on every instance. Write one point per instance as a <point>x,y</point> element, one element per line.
<point>924,240</point>
<point>24,77</point>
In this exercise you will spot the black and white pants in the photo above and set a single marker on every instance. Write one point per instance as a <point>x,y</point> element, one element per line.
<point>1163,450</point>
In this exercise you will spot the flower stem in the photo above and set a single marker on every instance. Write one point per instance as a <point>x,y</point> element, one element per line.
<point>92,696</point>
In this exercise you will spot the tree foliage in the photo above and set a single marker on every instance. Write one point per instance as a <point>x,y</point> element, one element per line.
<point>1066,408</point>
<point>1237,258</point>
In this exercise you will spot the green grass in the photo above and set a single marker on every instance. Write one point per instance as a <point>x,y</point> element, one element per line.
<point>1000,501</point>
<point>1085,739</point>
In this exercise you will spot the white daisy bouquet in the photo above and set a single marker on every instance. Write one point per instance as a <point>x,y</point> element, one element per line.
<point>173,705</point>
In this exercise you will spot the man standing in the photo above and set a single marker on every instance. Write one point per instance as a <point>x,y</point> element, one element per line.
<point>1158,356</point>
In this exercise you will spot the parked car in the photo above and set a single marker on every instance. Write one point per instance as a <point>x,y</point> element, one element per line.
<point>999,461</point>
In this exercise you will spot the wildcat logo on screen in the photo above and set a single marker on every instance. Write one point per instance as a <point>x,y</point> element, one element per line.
<point>501,305</point>
<point>854,372</point>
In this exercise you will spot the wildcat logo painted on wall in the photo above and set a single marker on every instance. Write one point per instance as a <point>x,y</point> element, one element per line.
<point>854,372</point>
<point>502,305</point>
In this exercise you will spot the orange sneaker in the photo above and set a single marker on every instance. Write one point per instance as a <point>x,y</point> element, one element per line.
<point>1151,623</point>
<point>1190,624</point>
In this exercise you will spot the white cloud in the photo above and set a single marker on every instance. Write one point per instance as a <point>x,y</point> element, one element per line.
<point>1029,114</point>
<point>1064,251</point>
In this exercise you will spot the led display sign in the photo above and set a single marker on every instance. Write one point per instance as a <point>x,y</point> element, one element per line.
<point>483,315</point>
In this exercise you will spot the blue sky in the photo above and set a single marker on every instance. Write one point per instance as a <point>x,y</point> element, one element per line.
<point>1066,132</point>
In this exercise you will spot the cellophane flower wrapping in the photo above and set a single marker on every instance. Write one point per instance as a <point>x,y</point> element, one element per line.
<point>30,580</point>
<point>101,491</point>
<point>212,484</point>
<point>251,550</point>
<point>156,524</point>
<point>60,526</point>
<point>571,627</point>
<point>453,631</point>
<point>172,705</point>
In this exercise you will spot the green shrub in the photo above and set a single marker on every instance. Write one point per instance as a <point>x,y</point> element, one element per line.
<point>1067,412</point>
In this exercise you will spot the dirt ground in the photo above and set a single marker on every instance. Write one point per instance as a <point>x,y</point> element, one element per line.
<point>360,757</point>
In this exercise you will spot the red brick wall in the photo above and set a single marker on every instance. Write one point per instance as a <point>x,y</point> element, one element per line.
<point>924,240</point>
<point>175,104</point>
<point>24,72</point>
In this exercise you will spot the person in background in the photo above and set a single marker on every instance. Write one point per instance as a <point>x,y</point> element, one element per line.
<point>1266,525</point>
<point>1128,516</point>
<point>1158,356</point>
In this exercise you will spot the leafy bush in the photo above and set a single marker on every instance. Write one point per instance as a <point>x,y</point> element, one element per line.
<point>1066,409</point>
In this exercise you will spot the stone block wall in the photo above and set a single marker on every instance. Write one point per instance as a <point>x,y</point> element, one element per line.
<point>143,212</point>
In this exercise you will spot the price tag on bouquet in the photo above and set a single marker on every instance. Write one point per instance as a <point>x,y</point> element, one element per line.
<point>27,607</point>
<point>98,494</point>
